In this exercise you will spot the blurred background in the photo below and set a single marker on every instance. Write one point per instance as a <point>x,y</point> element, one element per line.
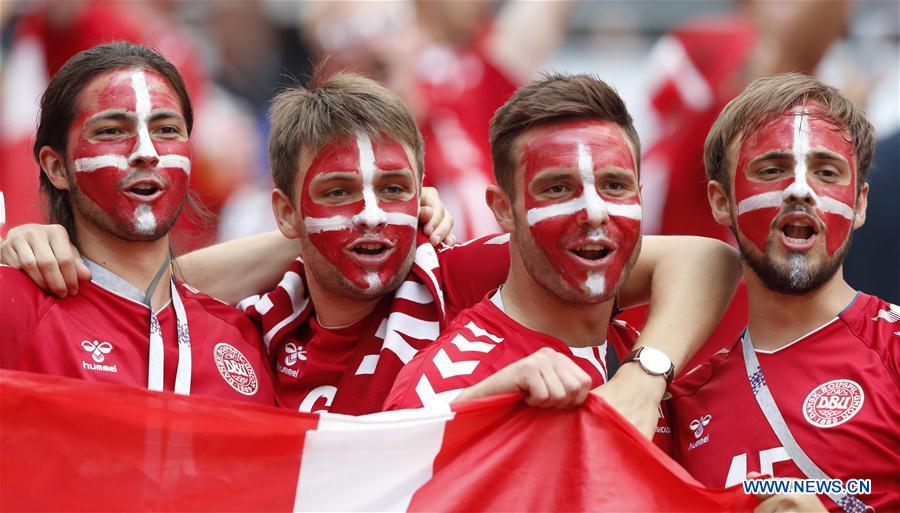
<point>676,63</point>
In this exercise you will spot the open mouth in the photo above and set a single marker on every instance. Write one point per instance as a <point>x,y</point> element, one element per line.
<point>798,230</point>
<point>144,189</point>
<point>370,252</point>
<point>592,252</point>
<point>370,249</point>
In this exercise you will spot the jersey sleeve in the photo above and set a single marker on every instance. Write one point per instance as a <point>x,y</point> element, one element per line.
<point>472,269</point>
<point>462,356</point>
<point>22,304</point>
<point>878,327</point>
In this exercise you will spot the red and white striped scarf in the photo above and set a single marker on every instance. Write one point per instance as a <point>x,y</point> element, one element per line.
<point>415,318</point>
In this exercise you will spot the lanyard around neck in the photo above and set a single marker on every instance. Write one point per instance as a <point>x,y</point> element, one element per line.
<point>155,367</point>
<point>763,395</point>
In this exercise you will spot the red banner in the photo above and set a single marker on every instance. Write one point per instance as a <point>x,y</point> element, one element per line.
<point>73,445</point>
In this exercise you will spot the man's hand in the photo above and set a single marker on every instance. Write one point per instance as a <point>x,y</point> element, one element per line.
<point>786,502</point>
<point>636,396</point>
<point>548,379</point>
<point>435,220</point>
<point>45,253</point>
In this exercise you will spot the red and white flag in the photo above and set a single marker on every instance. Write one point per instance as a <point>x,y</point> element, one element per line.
<point>71,445</point>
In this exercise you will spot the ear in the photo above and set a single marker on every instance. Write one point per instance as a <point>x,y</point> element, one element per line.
<point>719,202</point>
<point>287,217</point>
<point>500,204</point>
<point>53,164</point>
<point>862,203</point>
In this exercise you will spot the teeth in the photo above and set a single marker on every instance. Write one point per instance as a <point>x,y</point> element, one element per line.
<point>370,246</point>
<point>592,247</point>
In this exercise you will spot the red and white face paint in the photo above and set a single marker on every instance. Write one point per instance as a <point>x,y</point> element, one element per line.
<point>360,206</point>
<point>800,157</point>
<point>130,149</point>
<point>582,201</point>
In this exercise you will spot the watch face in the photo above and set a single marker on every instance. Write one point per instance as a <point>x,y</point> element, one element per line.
<point>655,360</point>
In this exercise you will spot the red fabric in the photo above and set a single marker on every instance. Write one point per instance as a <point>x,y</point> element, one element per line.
<point>351,370</point>
<point>861,345</point>
<point>79,446</point>
<point>41,333</point>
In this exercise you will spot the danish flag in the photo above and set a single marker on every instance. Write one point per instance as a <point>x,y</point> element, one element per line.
<point>166,452</point>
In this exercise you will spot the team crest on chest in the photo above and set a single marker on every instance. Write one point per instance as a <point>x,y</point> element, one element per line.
<point>833,403</point>
<point>235,368</point>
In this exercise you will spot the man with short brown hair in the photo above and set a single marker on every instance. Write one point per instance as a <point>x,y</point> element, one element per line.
<point>810,390</point>
<point>566,160</point>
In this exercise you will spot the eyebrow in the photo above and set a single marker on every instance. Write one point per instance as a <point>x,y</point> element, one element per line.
<point>402,173</point>
<point>340,176</point>
<point>556,174</point>
<point>817,154</point>
<point>165,114</point>
<point>618,172</point>
<point>113,115</point>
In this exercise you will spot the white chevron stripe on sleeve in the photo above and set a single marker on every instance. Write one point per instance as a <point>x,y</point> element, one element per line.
<point>430,398</point>
<point>479,332</point>
<point>465,344</point>
<point>448,368</point>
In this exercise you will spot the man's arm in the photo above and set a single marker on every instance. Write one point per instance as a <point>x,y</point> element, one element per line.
<point>689,282</point>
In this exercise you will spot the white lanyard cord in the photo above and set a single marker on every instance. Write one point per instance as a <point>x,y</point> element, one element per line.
<point>155,368</point>
<point>762,393</point>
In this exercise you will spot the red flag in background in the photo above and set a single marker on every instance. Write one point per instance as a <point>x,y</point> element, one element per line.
<point>76,445</point>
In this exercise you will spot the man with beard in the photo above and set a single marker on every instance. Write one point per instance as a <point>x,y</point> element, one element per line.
<point>566,160</point>
<point>810,390</point>
<point>113,147</point>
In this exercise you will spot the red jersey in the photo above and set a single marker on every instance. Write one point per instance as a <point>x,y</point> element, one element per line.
<point>481,341</point>
<point>351,369</point>
<point>102,334</point>
<point>838,389</point>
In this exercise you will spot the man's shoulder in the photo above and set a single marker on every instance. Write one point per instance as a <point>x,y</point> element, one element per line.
<point>875,321</point>
<point>15,281</point>
<point>697,378</point>
<point>213,308</point>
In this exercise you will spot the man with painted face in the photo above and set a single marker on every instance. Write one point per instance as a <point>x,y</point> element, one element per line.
<point>566,161</point>
<point>113,148</point>
<point>811,388</point>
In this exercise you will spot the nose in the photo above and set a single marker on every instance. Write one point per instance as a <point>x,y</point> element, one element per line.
<point>371,217</point>
<point>800,192</point>
<point>594,212</point>
<point>144,153</point>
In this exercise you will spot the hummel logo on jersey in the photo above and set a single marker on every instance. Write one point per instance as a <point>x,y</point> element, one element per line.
<point>98,351</point>
<point>294,353</point>
<point>697,426</point>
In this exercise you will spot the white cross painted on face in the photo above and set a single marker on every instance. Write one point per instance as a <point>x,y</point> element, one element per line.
<point>589,200</point>
<point>799,188</point>
<point>371,215</point>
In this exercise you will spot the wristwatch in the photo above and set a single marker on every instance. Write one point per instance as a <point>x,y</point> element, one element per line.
<point>653,361</point>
